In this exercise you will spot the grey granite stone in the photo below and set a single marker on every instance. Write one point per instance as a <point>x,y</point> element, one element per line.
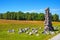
<point>48,20</point>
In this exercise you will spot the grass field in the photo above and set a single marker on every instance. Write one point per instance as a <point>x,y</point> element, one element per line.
<point>5,25</point>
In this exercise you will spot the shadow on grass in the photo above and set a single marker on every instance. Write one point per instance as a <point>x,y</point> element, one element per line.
<point>56,30</point>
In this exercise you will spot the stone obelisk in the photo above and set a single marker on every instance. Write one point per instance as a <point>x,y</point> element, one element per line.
<point>48,20</point>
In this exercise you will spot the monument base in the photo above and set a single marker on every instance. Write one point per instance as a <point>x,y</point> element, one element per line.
<point>48,28</point>
<point>51,29</point>
<point>48,21</point>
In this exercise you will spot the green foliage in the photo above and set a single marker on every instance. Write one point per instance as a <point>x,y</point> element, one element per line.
<point>41,16</point>
<point>26,16</point>
<point>1,16</point>
<point>55,17</point>
<point>34,16</point>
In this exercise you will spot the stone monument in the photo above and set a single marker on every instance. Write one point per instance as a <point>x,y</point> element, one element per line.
<point>48,21</point>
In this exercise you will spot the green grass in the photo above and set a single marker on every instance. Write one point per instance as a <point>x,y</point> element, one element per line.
<point>4,35</point>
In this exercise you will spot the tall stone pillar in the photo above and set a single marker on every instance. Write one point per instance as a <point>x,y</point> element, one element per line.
<point>48,20</point>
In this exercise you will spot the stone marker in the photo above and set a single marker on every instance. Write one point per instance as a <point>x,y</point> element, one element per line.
<point>11,31</point>
<point>30,33</point>
<point>27,32</point>
<point>52,33</point>
<point>48,21</point>
<point>37,34</point>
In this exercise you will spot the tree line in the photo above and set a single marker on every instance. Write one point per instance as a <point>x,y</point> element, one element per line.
<point>26,16</point>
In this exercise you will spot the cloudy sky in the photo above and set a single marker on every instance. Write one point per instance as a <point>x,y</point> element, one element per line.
<point>30,5</point>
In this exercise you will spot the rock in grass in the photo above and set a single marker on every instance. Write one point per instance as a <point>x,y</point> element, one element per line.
<point>11,31</point>
<point>40,28</point>
<point>30,33</point>
<point>55,28</point>
<point>27,32</point>
<point>45,32</point>
<point>37,34</point>
<point>36,31</point>
<point>52,33</point>
<point>26,29</point>
<point>20,31</point>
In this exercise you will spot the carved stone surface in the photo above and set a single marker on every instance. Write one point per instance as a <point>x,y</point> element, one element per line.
<point>48,20</point>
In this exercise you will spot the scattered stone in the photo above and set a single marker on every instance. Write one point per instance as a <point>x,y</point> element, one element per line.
<point>37,34</point>
<point>52,33</point>
<point>23,30</point>
<point>11,31</point>
<point>34,31</point>
<point>55,28</point>
<point>30,33</point>
<point>40,28</point>
<point>27,32</point>
<point>26,29</point>
<point>20,31</point>
<point>45,32</point>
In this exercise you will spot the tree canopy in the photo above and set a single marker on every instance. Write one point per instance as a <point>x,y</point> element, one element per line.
<point>26,16</point>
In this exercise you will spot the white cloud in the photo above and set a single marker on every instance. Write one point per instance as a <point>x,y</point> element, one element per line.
<point>42,10</point>
<point>55,9</point>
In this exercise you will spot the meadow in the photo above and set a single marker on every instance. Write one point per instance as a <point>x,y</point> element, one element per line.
<point>5,25</point>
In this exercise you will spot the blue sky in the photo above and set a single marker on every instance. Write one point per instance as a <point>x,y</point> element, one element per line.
<point>30,5</point>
